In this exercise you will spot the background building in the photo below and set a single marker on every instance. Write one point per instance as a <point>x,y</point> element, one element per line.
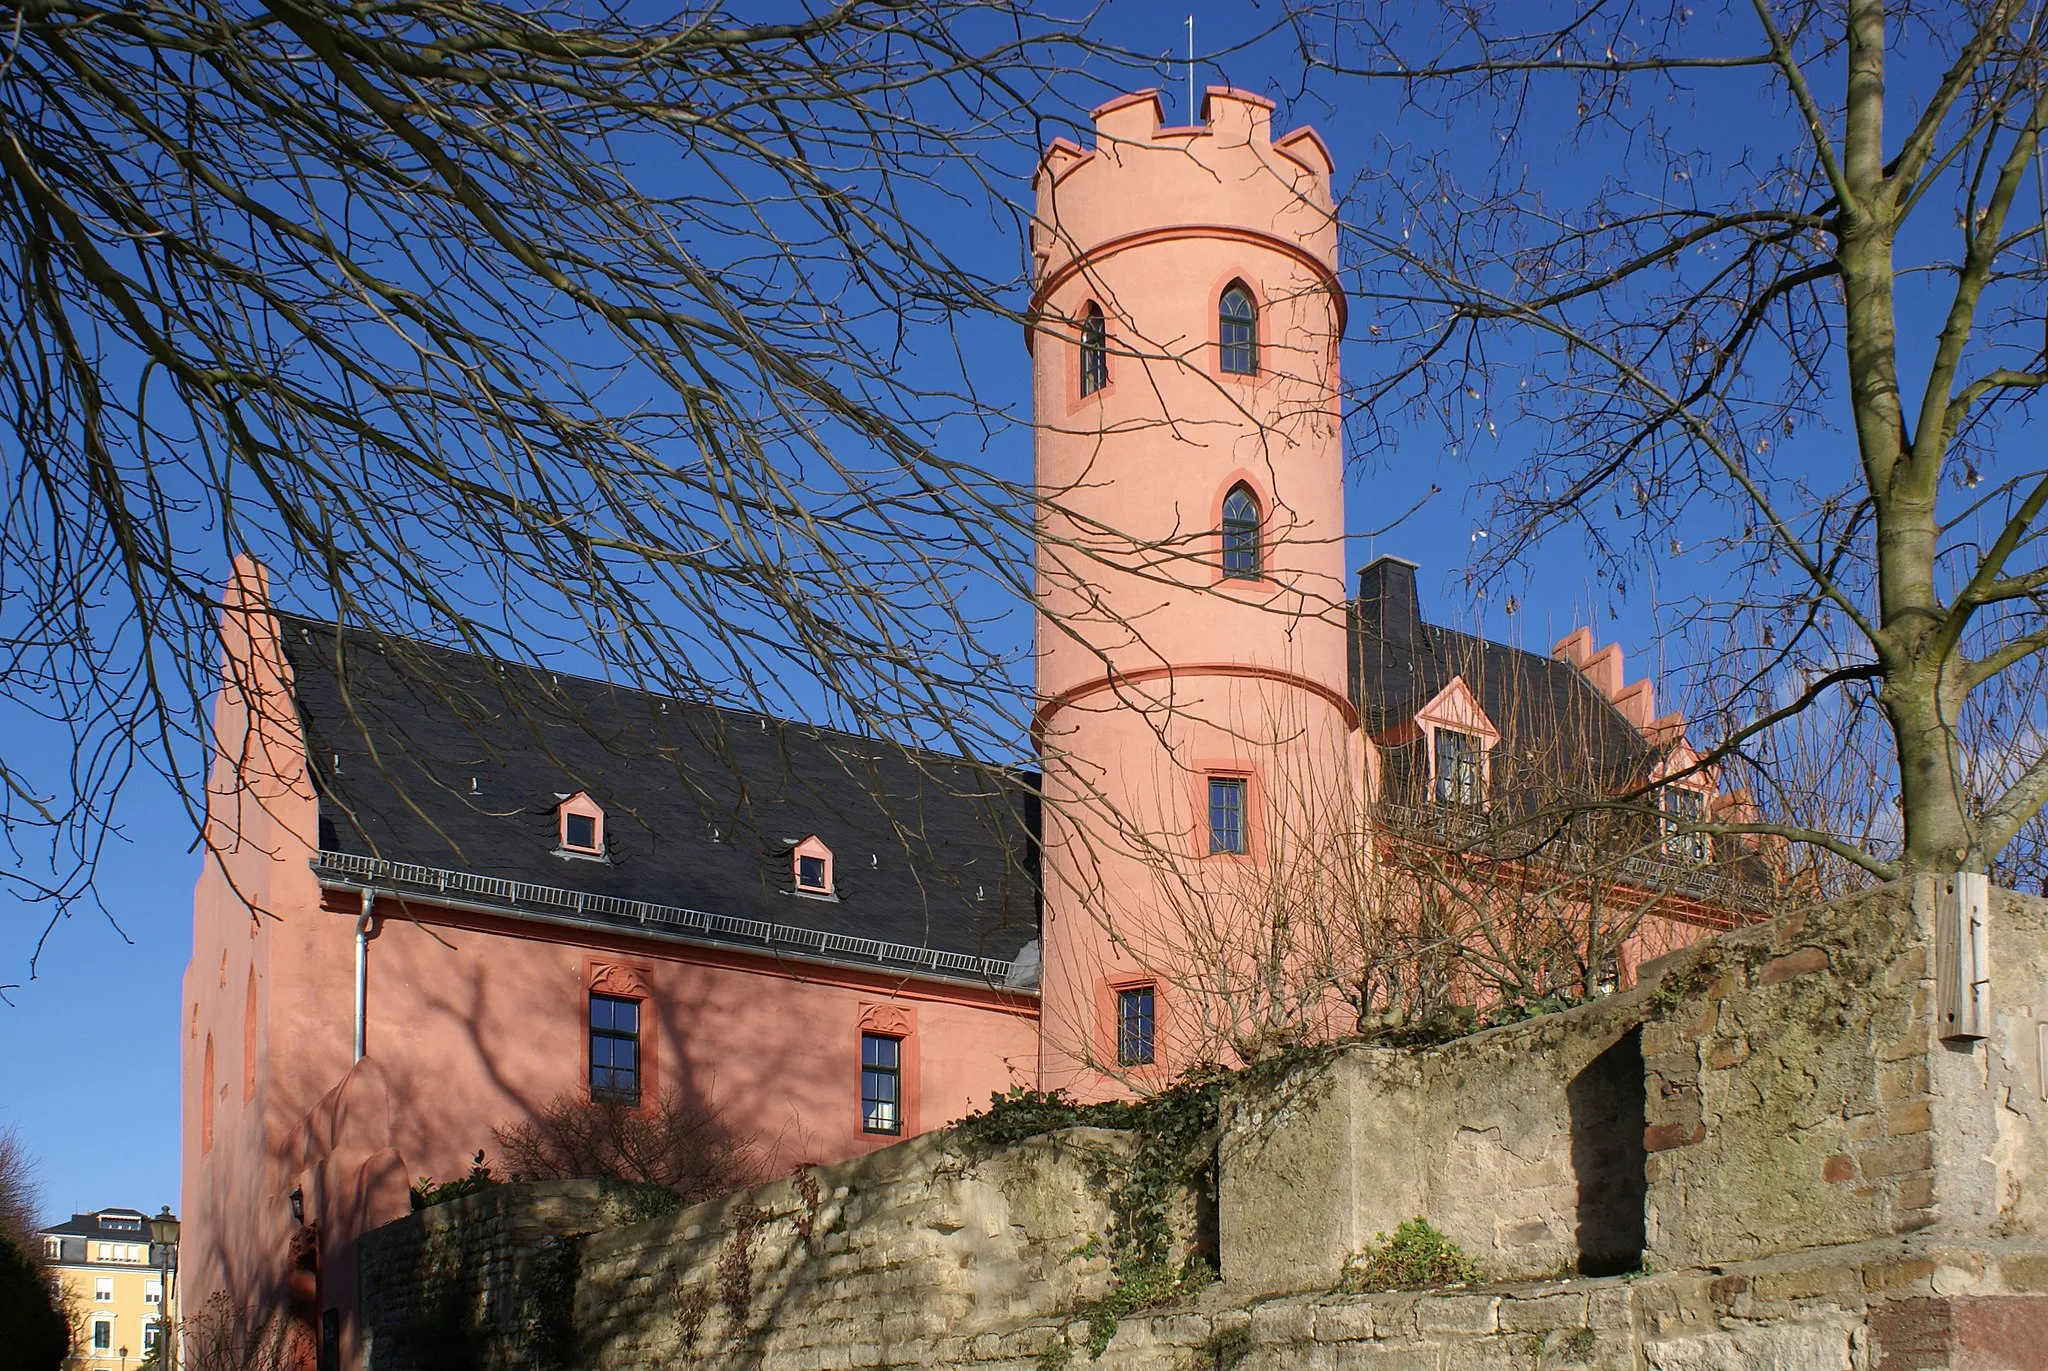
<point>111,1277</point>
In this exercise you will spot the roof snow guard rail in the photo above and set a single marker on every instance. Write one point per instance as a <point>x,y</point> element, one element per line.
<point>516,895</point>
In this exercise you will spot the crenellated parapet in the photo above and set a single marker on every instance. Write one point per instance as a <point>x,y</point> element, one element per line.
<point>1145,180</point>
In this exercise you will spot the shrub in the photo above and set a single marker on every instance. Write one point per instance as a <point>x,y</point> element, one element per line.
<point>677,1145</point>
<point>425,1191</point>
<point>223,1337</point>
<point>1415,1257</point>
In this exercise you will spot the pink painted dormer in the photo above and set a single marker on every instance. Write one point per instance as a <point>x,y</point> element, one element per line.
<point>810,869</point>
<point>579,826</point>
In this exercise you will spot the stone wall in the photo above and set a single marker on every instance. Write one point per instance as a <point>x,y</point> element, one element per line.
<point>869,1262</point>
<point>489,1274</point>
<point>1758,1156</point>
<point>1774,1089</point>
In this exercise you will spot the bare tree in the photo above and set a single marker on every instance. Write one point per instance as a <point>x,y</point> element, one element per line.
<point>39,1327</point>
<point>1703,337</point>
<point>223,1336</point>
<point>550,332</point>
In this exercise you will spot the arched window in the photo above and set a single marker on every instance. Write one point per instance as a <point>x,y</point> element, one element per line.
<point>1241,534</point>
<point>1238,330</point>
<point>1094,350</point>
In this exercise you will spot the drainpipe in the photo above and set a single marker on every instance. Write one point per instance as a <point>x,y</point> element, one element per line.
<point>363,921</point>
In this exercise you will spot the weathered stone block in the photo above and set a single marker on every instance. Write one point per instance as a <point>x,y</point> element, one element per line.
<point>1542,1313</point>
<point>1457,1313</point>
<point>1804,962</point>
<point>1365,1356</point>
<point>1794,1348</point>
<point>1351,1321</point>
<point>1283,1321</point>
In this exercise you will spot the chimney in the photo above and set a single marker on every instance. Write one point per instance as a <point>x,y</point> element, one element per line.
<point>1389,627</point>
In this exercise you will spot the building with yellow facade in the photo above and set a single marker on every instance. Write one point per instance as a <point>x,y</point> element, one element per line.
<point>112,1275</point>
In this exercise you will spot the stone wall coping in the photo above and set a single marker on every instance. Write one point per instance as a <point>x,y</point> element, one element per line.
<point>1637,1004</point>
<point>1847,1277</point>
<point>921,1159</point>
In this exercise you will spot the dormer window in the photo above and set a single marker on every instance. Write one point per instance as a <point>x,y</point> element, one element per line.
<point>1460,778</point>
<point>581,826</point>
<point>1684,809</point>
<point>812,869</point>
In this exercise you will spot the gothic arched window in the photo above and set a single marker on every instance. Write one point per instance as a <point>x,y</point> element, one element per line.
<point>1241,534</point>
<point>1094,351</point>
<point>1238,330</point>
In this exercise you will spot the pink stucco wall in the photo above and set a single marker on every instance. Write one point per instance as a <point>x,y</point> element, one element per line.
<point>472,1021</point>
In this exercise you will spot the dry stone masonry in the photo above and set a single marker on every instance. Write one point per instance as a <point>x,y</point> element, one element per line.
<point>1762,1155</point>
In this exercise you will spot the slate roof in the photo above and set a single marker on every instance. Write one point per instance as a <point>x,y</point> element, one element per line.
<point>132,1225</point>
<point>1552,719</point>
<point>77,1234</point>
<point>448,760</point>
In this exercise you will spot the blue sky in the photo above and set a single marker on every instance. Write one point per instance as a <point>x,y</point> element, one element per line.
<point>88,1048</point>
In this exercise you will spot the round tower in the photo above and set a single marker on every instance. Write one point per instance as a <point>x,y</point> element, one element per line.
<point>1194,724</point>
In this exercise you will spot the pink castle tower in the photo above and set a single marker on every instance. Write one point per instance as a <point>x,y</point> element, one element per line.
<point>1198,740</point>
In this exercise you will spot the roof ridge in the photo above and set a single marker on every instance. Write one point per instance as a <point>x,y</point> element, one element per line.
<point>583,678</point>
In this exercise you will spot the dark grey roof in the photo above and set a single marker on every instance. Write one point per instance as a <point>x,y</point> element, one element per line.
<point>449,760</point>
<point>127,1225</point>
<point>1552,719</point>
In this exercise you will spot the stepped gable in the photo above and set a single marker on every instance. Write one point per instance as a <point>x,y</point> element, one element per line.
<point>702,804</point>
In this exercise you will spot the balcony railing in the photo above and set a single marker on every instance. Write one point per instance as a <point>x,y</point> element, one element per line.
<point>427,882</point>
<point>1478,833</point>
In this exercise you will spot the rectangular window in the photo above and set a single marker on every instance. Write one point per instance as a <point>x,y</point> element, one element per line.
<point>1682,808</point>
<point>153,1293</point>
<point>1226,814</point>
<point>1134,1022</point>
<point>881,1083</point>
<point>103,1290</point>
<point>1459,779</point>
<point>810,872</point>
<point>580,832</point>
<point>150,1334</point>
<point>614,1049</point>
<point>102,1335</point>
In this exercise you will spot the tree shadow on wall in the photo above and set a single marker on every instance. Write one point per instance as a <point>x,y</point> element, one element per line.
<point>1609,1111</point>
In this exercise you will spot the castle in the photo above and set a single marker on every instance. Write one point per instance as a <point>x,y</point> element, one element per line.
<point>480,889</point>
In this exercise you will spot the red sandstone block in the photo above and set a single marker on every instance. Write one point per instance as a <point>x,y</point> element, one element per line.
<point>1963,1333</point>
<point>1663,1137</point>
<point>1803,962</point>
<point>1837,1169</point>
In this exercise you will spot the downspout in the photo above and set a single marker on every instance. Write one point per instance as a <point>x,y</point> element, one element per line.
<point>363,921</point>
